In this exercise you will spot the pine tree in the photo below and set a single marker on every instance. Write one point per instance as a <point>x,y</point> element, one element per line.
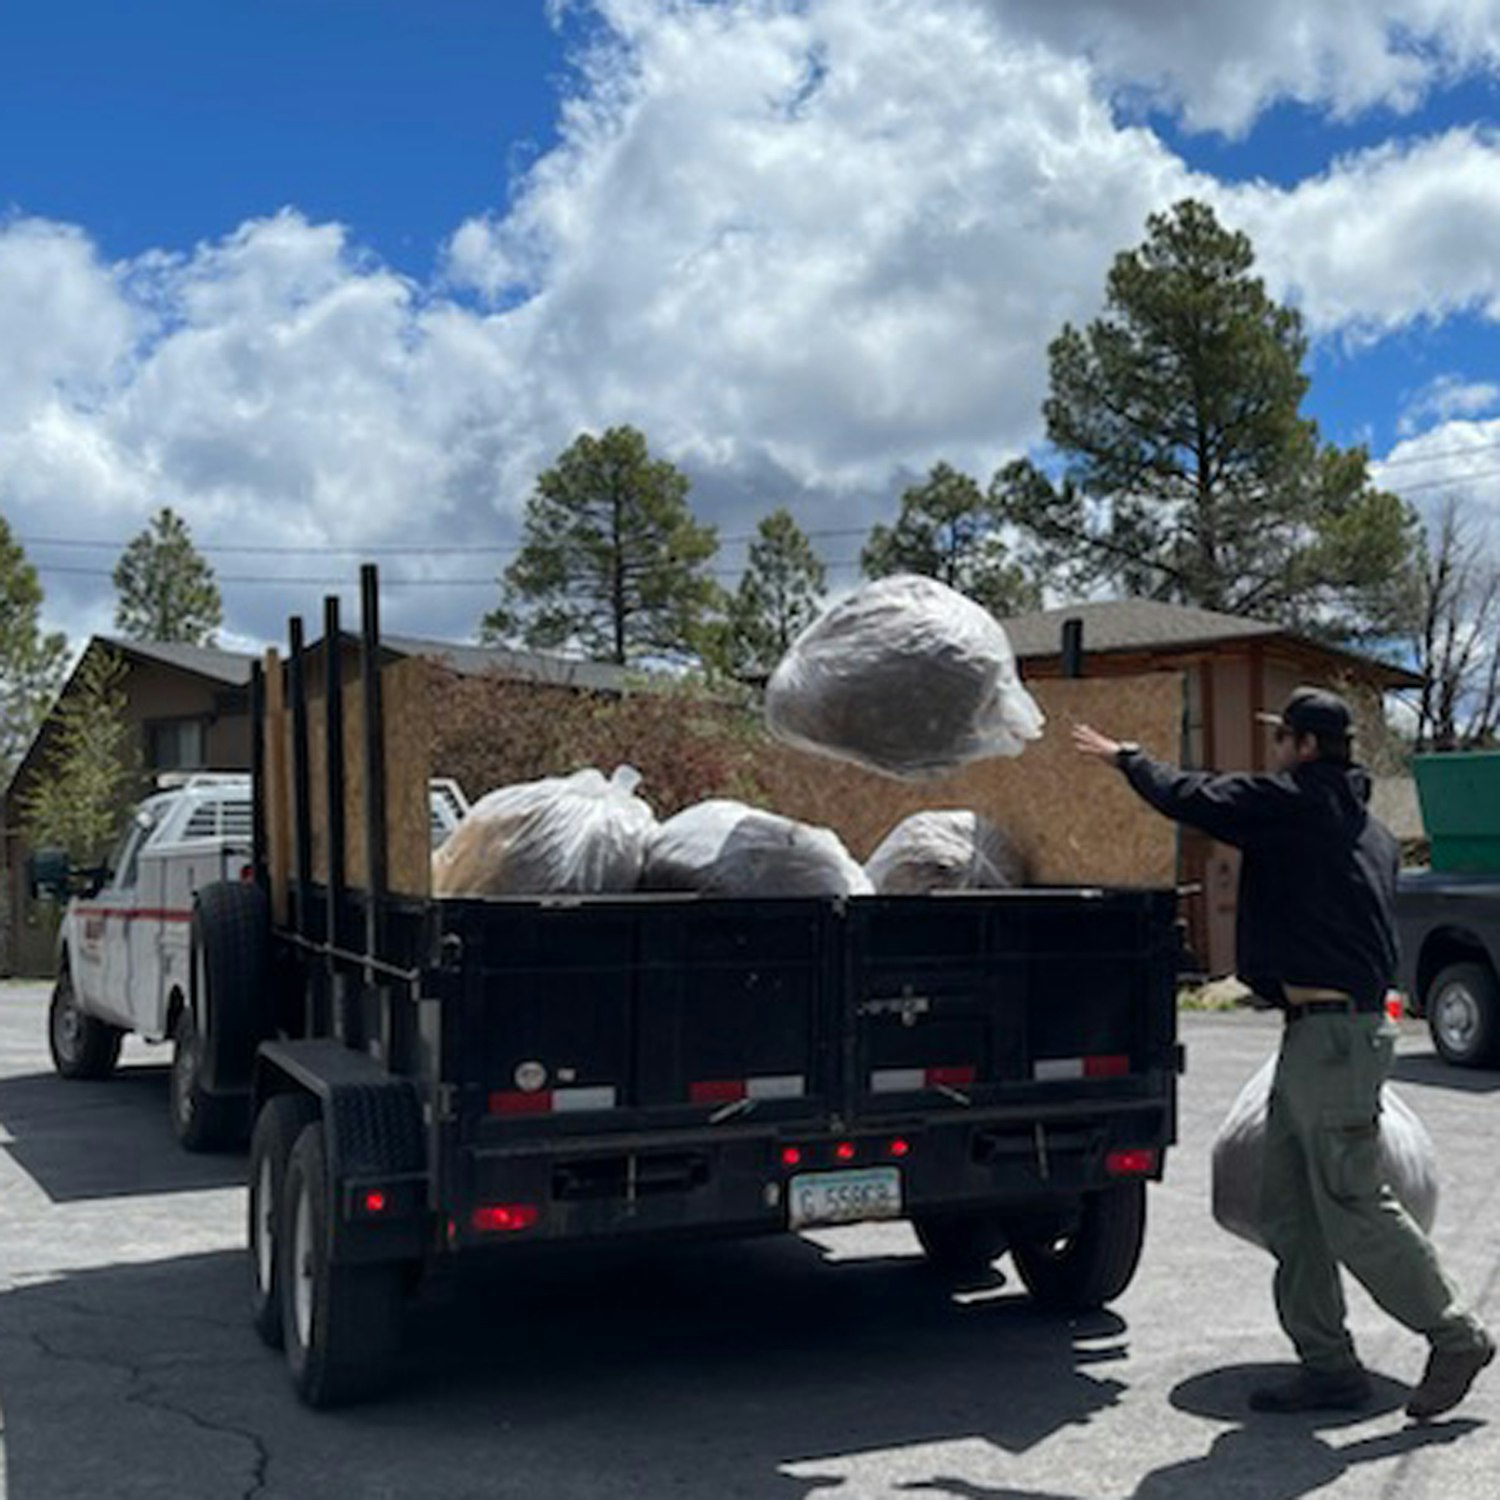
<point>949,529</point>
<point>78,799</point>
<point>612,561</point>
<point>32,661</point>
<point>166,589</point>
<point>778,597</point>
<point>1189,473</point>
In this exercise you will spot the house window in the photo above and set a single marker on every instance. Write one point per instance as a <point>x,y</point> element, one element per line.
<point>175,745</point>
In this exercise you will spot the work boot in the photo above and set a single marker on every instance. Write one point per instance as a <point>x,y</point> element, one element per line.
<point>1314,1390</point>
<point>1447,1378</point>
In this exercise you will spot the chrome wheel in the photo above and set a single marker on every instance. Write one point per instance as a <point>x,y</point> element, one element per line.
<point>1456,1016</point>
<point>263,1226</point>
<point>302,1264</point>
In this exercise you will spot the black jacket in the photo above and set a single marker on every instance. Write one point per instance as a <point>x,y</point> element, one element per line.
<point>1317,877</point>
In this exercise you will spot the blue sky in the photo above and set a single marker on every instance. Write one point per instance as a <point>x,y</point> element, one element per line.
<point>336,278</point>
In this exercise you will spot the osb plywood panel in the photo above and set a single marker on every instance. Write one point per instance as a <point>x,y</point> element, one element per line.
<point>403,689</point>
<point>1075,820</point>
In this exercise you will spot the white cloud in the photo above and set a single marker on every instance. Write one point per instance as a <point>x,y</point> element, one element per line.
<point>1392,236</point>
<point>1221,62</point>
<point>1457,460</point>
<point>1444,398</point>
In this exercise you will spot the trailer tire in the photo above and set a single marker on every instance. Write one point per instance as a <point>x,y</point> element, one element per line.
<point>1463,1014</point>
<point>280,1123</point>
<point>201,1121</point>
<point>1093,1262</point>
<point>82,1046</point>
<point>960,1245</point>
<point>341,1323</point>
<point>230,981</point>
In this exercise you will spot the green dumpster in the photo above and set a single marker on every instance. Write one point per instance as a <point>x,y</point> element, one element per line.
<point>1460,796</point>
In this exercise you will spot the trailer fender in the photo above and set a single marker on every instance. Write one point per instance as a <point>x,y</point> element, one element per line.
<point>375,1143</point>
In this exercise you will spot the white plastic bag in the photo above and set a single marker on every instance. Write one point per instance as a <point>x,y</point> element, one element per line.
<point>1407,1155</point>
<point>904,676</point>
<point>576,834</point>
<point>948,850</point>
<point>725,848</point>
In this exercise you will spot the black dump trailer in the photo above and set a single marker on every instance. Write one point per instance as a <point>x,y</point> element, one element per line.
<point>433,1079</point>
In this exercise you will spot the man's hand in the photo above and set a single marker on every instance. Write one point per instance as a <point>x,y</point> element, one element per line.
<point>1088,741</point>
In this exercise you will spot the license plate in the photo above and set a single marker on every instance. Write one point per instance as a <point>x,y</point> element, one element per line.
<point>845,1197</point>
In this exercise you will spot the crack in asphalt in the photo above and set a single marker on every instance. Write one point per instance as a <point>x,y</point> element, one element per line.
<point>141,1392</point>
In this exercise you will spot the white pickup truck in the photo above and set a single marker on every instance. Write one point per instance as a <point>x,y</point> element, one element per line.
<point>125,948</point>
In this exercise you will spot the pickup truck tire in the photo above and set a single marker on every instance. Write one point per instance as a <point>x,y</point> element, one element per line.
<point>960,1245</point>
<point>231,970</point>
<point>1463,1015</point>
<point>1092,1263</point>
<point>201,1121</point>
<point>341,1323</point>
<point>281,1122</point>
<point>81,1045</point>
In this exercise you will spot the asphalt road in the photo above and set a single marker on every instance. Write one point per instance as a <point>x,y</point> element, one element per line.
<point>782,1368</point>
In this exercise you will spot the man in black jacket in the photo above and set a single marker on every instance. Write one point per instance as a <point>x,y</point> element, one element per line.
<point>1316,937</point>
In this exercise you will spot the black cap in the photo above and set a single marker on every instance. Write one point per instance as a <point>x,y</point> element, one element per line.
<point>1313,710</point>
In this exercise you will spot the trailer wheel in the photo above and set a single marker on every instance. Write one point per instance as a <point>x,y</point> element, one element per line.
<point>1463,1015</point>
<point>283,1119</point>
<point>201,1121</point>
<point>1091,1263</point>
<point>341,1323</point>
<point>230,980</point>
<point>960,1245</point>
<point>82,1046</point>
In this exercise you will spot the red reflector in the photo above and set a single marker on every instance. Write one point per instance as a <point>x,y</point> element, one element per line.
<point>1395,1004</point>
<point>900,1148</point>
<point>959,1077</point>
<point>505,1217</point>
<point>517,1102</point>
<point>374,1202</point>
<point>717,1091</point>
<point>1105,1067</point>
<point>791,1156</point>
<point>844,1151</point>
<point>1131,1163</point>
<point>247,873</point>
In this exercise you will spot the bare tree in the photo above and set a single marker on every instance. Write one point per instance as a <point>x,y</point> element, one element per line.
<point>1456,645</point>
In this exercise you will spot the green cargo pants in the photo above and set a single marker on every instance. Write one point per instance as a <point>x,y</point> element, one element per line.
<point>1324,1202</point>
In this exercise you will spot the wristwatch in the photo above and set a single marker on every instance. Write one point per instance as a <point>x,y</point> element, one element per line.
<point>1126,750</point>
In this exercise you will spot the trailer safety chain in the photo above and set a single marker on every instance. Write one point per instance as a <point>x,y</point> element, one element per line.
<point>369,964</point>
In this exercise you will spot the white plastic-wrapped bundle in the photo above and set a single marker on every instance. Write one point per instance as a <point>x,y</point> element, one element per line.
<point>725,848</point>
<point>904,676</point>
<point>1408,1158</point>
<point>948,850</point>
<point>567,834</point>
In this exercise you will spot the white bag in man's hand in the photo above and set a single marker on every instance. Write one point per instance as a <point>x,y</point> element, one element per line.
<point>1407,1154</point>
<point>577,835</point>
<point>904,676</point>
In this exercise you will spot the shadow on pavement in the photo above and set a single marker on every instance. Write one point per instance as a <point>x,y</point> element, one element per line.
<point>1428,1069</point>
<point>110,1139</point>
<point>700,1372</point>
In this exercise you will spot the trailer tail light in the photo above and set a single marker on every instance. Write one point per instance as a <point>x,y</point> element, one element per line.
<point>374,1202</point>
<point>899,1148</point>
<point>791,1156</point>
<point>1056,1069</point>
<point>1137,1161</point>
<point>505,1218</point>
<point>844,1151</point>
<point>1395,1004</point>
<point>247,874</point>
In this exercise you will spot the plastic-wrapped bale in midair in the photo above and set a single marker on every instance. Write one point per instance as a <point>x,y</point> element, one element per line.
<point>947,850</point>
<point>904,676</point>
<point>725,848</point>
<point>1407,1156</point>
<point>578,834</point>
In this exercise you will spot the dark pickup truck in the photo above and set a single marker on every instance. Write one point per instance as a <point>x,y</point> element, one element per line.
<point>1449,924</point>
<point>432,1079</point>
